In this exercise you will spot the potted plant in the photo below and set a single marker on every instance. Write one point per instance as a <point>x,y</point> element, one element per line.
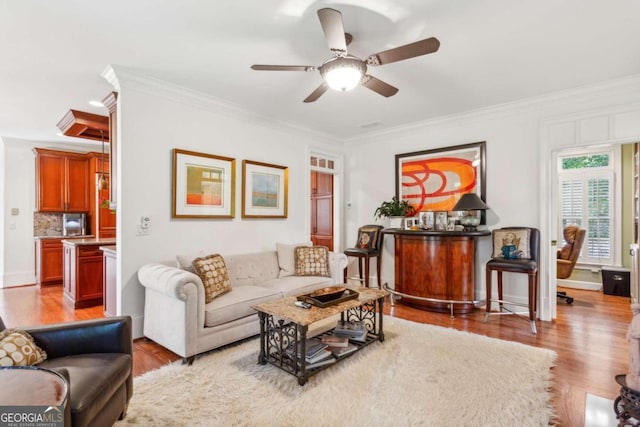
<point>396,210</point>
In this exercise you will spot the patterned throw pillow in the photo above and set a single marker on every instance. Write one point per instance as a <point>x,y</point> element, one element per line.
<point>511,243</point>
<point>17,348</point>
<point>312,261</point>
<point>213,272</point>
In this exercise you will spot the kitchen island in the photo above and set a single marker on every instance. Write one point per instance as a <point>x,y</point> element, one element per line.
<point>82,271</point>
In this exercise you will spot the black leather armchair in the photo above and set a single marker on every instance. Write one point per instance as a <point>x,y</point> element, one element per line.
<point>96,356</point>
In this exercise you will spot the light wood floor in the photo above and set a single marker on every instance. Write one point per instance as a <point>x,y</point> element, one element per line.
<point>589,337</point>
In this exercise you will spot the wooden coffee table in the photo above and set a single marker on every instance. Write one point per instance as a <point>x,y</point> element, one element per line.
<point>284,326</point>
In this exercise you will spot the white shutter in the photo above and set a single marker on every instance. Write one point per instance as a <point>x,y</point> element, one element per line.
<point>586,200</point>
<point>599,241</point>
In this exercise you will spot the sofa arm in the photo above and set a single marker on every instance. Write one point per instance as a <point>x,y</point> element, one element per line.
<point>173,307</point>
<point>337,264</point>
<point>108,335</point>
<point>167,280</point>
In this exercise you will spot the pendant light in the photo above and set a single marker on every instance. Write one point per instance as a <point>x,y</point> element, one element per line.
<point>102,182</point>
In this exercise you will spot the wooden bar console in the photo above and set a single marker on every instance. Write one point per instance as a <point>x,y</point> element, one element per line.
<point>435,270</point>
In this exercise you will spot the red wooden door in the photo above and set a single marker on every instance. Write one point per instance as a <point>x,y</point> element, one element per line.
<point>322,209</point>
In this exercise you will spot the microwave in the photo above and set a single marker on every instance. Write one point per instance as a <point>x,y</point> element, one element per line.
<point>74,224</point>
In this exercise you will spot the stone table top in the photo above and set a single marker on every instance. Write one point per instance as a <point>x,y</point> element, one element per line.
<point>286,308</point>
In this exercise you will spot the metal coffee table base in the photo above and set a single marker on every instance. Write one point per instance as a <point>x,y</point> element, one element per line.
<point>279,339</point>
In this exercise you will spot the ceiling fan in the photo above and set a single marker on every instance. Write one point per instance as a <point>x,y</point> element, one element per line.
<point>343,71</point>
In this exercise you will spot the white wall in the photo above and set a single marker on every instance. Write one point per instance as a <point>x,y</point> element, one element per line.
<point>155,118</point>
<point>19,176</point>
<point>514,165</point>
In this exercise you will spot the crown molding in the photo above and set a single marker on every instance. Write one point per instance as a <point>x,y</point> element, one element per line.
<point>121,77</point>
<point>582,93</point>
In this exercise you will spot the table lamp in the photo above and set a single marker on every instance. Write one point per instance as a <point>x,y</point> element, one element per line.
<point>470,202</point>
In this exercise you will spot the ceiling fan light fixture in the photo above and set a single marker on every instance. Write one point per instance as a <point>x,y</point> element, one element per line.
<point>343,73</point>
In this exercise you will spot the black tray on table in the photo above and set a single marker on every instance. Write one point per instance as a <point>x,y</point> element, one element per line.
<point>347,295</point>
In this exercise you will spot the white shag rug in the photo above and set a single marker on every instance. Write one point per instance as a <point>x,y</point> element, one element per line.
<point>421,375</point>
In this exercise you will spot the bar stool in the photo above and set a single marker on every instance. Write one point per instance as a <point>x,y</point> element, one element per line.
<point>368,246</point>
<point>515,250</point>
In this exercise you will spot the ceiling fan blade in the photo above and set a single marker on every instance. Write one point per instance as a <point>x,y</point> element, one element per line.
<point>317,93</point>
<point>378,86</point>
<point>331,21</point>
<point>407,51</point>
<point>283,67</point>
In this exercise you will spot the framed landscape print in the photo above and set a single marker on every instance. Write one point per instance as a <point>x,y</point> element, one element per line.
<point>434,180</point>
<point>203,185</point>
<point>264,190</point>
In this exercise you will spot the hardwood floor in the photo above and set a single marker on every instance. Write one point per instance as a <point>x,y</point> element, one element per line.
<point>589,337</point>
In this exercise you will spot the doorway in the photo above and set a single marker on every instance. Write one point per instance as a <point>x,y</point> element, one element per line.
<point>611,127</point>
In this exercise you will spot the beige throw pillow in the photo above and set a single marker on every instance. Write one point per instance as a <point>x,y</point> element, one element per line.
<point>213,273</point>
<point>312,261</point>
<point>286,258</point>
<point>17,348</point>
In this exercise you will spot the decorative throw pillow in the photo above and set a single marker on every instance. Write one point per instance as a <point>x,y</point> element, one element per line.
<point>185,261</point>
<point>17,348</point>
<point>312,261</point>
<point>213,272</point>
<point>511,243</point>
<point>286,259</point>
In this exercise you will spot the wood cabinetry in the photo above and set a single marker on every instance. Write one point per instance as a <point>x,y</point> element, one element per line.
<point>62,181</point>
<point>102,220</point>
<point>322,209</point>
<point>82,273</point>
<point>437,269</point>
<point>48,262</point>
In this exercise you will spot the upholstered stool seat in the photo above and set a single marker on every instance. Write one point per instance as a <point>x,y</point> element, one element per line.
<point>512,253</point>
<point>368,246</point>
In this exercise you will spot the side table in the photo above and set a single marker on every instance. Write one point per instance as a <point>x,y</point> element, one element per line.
<point>34,386</point>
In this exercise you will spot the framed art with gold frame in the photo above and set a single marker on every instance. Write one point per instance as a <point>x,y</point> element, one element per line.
<point>203,185</point>
<point>265,190</point>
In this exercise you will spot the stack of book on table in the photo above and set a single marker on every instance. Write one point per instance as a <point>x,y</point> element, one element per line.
<point>353,330</point>
<point>339,346</point>
<point>316,354</point>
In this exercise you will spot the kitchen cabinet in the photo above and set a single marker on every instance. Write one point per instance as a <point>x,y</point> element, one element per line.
<point>102,220</point>
<point>62,181</point>
<point>48,262</point>
<point>82,273</point>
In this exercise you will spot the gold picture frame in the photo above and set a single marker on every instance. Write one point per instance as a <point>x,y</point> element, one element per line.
<point>265,190</point>
<point>203,185</point>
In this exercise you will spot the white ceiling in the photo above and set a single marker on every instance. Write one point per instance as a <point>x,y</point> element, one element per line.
<point>492,52</point>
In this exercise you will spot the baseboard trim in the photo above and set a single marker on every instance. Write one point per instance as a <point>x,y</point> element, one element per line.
<point>576,284</point>
<point>22,278</point>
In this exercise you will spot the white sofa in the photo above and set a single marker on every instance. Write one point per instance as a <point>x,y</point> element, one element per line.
<point>176,316</point>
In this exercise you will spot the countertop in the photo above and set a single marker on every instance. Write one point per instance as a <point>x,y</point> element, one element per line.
<point>63,237</point>
<point>88,241</point>
<point>481,232</point>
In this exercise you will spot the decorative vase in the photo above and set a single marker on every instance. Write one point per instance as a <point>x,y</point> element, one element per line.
<point>396,222</point>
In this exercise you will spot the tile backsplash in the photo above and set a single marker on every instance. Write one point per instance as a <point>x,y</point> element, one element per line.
<point>47,224</point>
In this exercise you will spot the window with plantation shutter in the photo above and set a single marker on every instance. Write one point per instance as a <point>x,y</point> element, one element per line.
<point>586,193</point>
